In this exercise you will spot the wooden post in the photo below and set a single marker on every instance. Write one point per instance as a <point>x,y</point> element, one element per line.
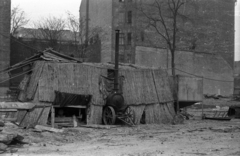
<point>74,121</point>
<point>202,98</point>
<point>52,116</point>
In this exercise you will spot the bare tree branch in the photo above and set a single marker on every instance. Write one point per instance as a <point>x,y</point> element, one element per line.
<point>18,19</point>
<point>50,29</point>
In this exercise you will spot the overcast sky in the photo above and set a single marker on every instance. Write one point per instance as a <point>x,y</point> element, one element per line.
<point>36,9</point>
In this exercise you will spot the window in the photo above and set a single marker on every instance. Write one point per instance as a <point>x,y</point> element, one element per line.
<point>121,0</point>
<point>129,38</point>
<point>121,39</point>
<point>121,17</point>
<point>129,17</point>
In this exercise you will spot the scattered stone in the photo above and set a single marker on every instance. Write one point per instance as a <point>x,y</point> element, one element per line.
<point>13,150</point>
<point>3,147</point>
<point>2,123</point>
<point>10,125</point>
<point>178,119</point>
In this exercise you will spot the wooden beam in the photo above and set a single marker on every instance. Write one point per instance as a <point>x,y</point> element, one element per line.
<point>20,105</point>
<point>50,129</point>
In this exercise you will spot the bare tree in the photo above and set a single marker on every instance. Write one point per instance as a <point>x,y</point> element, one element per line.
<point>163,17</point>
<point>78,27</point>
<point>18,19</point>
<point>50,29</point>
<point>73,25</point>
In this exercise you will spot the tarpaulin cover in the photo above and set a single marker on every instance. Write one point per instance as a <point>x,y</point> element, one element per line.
<point>66,99</point>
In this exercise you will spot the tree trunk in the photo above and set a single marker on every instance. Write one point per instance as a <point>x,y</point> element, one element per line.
<point>175,80</point>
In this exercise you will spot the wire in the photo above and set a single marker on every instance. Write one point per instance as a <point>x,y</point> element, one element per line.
<point>15,76</point>
<point>202,76</point>
<point>167,69</point>
<point>20,42</point>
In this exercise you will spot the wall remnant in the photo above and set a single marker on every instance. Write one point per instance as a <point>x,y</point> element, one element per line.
<point>217,73</point>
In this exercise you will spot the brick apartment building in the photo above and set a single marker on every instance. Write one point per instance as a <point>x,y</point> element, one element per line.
<point>216,16</point>
<point>5,12</point>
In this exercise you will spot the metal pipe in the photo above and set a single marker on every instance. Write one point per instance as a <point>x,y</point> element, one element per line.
<point>116,60</point>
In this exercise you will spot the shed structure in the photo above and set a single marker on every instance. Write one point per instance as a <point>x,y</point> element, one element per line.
<point>146,90</point>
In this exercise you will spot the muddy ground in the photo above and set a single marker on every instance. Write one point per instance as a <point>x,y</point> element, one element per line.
<point>193,138</point>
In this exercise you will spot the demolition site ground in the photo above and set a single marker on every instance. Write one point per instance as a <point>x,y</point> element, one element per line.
<point>194,137</point>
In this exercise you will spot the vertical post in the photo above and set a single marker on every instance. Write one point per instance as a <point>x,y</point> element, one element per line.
<point>52,116</point>
<point>177,88</point>
<point>116,61</point>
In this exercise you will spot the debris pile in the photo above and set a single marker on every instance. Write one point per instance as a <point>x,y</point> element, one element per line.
<point>9,141</point>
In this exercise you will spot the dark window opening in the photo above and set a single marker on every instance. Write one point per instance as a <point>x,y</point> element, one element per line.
<point>129,19</point>
<point>121,0</point>
<point>111,73</point>
<point>142,36</point>
<point>129,38</point>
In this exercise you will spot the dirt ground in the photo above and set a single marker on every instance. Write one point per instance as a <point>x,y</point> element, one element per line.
<point>194,137</point>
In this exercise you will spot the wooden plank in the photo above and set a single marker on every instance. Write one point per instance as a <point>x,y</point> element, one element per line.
<point>35,76</point>
<point>16,105</point>
<point>50,129</point>
<point>79,106</point>
<point>94,115</point>
<point>99,126</point>
<point>8,110</point>
<point>48,83</point>
<point>52,116</point>
<point>23,87</point>
<point>63,119</point>
<point>32,116</point>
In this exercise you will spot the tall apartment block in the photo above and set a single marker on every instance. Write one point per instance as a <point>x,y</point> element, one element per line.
<point>215,31</point>
<point>5,16</point>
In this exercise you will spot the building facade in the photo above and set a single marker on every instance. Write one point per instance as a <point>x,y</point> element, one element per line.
<point>211,27</point>
<point>205,41</point>
<point>5,14</point>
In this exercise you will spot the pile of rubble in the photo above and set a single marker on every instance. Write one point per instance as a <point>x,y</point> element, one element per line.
<point>10,141</point>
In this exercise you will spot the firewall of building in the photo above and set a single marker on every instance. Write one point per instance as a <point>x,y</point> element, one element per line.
<point>5,12</point>
<point>218,38</point>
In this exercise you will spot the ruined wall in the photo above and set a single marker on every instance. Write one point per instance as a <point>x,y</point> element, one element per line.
<point>5,12</point>
<point>100,15</point>
<point>211,67</point>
